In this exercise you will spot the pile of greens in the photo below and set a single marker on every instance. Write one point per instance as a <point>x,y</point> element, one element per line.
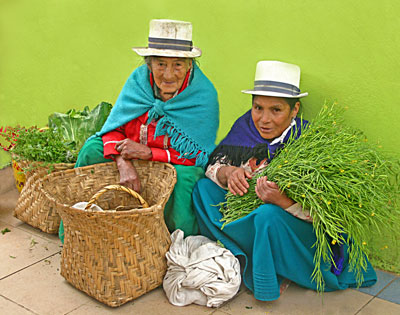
<point>76,126</point>
<point>44,145</point>
<point>61,141</point>
<point>350,187</point>
<point>9,136</point>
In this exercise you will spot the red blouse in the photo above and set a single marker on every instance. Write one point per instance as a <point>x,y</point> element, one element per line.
<point>137,131</point>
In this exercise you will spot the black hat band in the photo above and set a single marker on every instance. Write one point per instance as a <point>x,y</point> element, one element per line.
<point>275,86</point>
<point>174,44</point>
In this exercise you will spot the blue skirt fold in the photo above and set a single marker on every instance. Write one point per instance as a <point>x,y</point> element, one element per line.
<point>274,245</point>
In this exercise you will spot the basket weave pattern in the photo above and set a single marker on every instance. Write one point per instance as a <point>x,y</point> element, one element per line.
<point>113,256</point>
<point>32,206</point>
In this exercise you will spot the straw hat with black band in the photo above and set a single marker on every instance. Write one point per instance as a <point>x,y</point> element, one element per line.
<point>276,78</point>
<point>169,38</point>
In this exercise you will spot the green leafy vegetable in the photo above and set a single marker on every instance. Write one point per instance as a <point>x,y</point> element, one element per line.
<point>4,231</point>
<point>44,145</point>
<point>76,126</point>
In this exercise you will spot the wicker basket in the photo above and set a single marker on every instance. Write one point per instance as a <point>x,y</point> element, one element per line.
<point>117,255</point>
<point>32,206</point>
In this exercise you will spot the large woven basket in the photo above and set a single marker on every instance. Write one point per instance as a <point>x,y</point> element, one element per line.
<point>32,206</point>
<point>113,256</point>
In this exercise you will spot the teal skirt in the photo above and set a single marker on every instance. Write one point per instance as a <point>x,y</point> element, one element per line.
<point>272,244</point>
<point>178,212</point>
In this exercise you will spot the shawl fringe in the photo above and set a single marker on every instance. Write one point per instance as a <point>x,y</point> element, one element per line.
<point>181,143</point>
<point>236,155</point>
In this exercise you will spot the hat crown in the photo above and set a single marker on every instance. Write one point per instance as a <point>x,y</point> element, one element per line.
<point>169,38</point>
<point>278,71</point>
<point>278,79</point>
<point>171,29</point>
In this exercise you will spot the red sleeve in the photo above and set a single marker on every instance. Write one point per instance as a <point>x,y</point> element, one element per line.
<point>110,139</point>
<point>170,156</point>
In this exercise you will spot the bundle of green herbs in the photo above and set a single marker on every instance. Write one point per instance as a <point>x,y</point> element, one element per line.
<point>44,145</point>
<point>61,141</point>
<point>350,187</point>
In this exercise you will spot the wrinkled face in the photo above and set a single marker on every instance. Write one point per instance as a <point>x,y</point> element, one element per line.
<point>169,74</point>
<point>272,115</point>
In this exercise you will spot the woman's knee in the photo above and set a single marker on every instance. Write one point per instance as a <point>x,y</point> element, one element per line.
<point>203,183</point>
<point>91,153</point>
<point>270,213</point>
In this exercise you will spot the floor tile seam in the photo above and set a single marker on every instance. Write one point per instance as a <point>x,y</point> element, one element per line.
<point>26,231</point>
<point>385,299</point>
<point>38,235</point>
<point>79,306</point>
<point>363,306</point>
<point>377,297</point>
<point>20,305</point>
<point>219,308</point>
<point>19,270</point>
<point>30,233</point>
<point>383,289</point>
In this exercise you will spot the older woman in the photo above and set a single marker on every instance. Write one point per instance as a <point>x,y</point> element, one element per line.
<point>275,241</point>
<point>160,115</point>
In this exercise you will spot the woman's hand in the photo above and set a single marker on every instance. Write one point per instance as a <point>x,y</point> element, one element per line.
<point>235,178</point>
<point>269,192</point>
<point>128,176</point>
<point>130,149</point>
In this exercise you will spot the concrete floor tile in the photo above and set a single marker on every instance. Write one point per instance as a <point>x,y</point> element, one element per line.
<point>9,198</point>
<point>298,300</point>
<point>20,249</point>
<point>9,307</point>
<point>378,306</point>
<point>41,289</point>
<point>7,180</point>
<point>154,302</point>
<point>8,201</point>
<point>35,231</point>
<point>8,218</point>
<point>392,292</point>
<point>383,279</point>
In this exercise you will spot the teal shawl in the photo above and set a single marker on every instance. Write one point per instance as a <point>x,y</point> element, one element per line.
<point>190,119</point>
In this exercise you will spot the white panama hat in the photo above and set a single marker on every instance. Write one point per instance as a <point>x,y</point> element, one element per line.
<point>276,78</point>
<point>169,38</point>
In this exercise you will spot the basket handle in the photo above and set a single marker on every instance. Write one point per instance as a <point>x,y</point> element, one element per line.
<point>120,188</point>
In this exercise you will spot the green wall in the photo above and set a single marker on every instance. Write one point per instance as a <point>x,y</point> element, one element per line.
<point>62,54</point>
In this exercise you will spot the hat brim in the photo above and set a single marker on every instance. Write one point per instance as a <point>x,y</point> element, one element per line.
<point>145,51</point>
<point>268,93</point>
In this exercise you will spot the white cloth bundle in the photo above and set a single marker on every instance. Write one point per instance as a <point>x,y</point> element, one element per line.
<point>82,205</point>
<point>200,271</point>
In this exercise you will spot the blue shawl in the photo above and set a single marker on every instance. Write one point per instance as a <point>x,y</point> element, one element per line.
<point>244,142</point>
<point>190,119</point>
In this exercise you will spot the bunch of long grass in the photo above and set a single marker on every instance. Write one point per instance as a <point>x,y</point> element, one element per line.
<point>349,186</point>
